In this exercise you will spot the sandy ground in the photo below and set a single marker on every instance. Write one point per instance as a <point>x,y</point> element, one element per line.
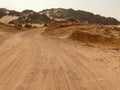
<point>30,61</point>
<point>6,19</point>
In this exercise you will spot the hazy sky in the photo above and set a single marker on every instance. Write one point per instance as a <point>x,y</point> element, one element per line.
<point>102,7</point>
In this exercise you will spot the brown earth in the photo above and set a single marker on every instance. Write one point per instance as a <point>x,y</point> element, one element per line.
<point>31,61</point>
<point>85,33</point>
<point>6,31</point>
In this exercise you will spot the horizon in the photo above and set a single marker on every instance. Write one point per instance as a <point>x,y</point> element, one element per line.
<point>104,8</point>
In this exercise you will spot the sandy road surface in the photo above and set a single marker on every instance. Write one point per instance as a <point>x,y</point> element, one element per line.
<point>30,61</point>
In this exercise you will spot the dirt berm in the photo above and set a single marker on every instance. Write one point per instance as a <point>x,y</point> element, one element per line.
<point>85,33</point>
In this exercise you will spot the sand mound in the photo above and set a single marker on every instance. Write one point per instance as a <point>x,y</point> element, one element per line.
<point>90,38</point>
<point>61,24</point>
<point>97,34</point>
<point>6,31</point>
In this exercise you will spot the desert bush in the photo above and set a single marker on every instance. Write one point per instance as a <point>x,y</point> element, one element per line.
<point>34,26</point>
<point>18,26</point>
<point>116,28</point>
<point>72,20</point>
<point>45,24</point>
<point>28,25</point>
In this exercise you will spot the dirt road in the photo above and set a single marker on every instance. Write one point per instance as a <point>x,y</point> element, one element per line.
<point>30,61</point>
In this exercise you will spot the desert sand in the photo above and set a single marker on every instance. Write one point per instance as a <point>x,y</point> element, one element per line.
<point>31,61</point>
<point>6,19</point>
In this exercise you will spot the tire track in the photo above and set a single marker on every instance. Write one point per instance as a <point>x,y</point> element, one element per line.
<point>86,69</point>
<point>40,63</point>
<point>9,71</point>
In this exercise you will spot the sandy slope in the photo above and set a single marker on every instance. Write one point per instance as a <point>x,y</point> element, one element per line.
<point>6,19</point>
<point>30,61</point>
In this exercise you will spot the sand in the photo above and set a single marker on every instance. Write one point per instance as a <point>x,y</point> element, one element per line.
<point>31,61</point>
<point>6,19</point>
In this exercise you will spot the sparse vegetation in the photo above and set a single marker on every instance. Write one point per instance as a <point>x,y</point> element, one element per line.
<point>45,24</point>
<point>28,25</point>
<point>18,26</point>
<point>34,26</point>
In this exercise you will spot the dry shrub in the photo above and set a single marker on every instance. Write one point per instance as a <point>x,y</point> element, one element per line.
<point>28,25</point>
<point>18,26</point>
<point>116,28</point>
<point>34,26</point>
<point>45,24</point>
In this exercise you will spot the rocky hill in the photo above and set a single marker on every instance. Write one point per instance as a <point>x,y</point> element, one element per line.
<point>49,15</point>
<point>8,15</point>
<point>4,12</point>
<point>29,16</point>
<point>81,16</point>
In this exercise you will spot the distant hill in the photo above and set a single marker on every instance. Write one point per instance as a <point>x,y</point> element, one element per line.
<point>57,14</point>
<point>79,15</point>
<point>8,15</point>
<point>4,12</point>
<point>29,16</point>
